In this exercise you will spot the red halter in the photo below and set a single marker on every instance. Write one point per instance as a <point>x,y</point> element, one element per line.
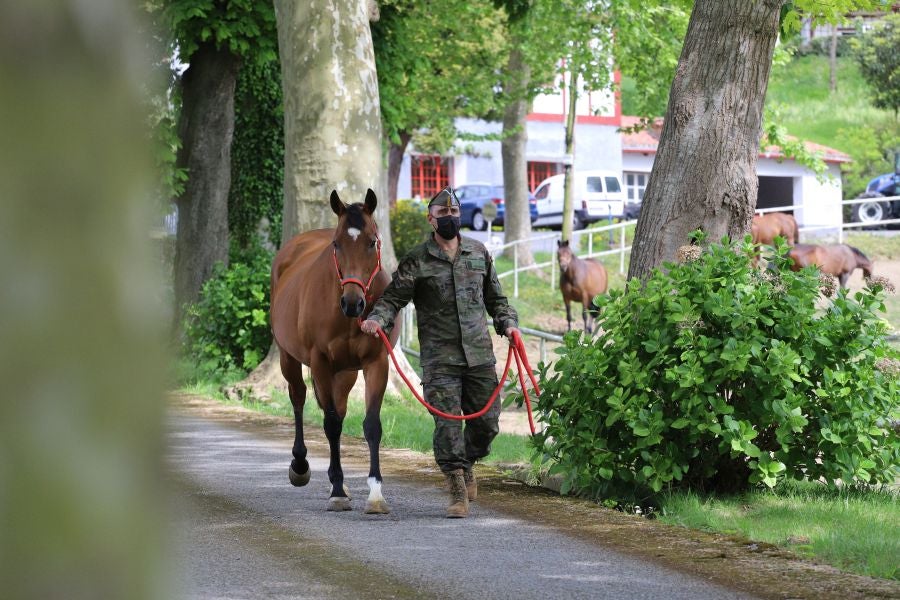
<point>352,279</point>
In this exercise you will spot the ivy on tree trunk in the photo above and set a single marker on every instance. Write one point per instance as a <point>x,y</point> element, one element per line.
<point>206,128</point>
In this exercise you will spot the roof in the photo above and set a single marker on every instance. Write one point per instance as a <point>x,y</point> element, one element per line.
<point>646,141</point>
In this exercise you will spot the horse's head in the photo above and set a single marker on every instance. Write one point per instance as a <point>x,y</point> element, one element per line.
<point>564,255</point>
<point>357,251</point>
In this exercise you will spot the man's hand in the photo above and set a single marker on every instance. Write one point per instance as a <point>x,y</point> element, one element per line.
<point>510,331</point>
<point>371,327</point>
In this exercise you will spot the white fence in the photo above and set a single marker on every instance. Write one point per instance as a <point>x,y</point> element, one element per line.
<point>618,230</point>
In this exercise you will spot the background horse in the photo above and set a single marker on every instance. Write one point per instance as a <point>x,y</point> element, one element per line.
<point>839,260</point>
<point>765,228</point>
<point>323,281</point>
<point>580,281</point>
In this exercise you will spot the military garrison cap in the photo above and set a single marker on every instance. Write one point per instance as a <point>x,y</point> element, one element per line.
<point>445,197</point>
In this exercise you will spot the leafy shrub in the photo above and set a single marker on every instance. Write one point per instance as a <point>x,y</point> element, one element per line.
<point>409,227</point>
<point>715,376</point>
<point>228,328</point>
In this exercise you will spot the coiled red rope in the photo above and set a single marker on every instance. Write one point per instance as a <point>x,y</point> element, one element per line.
<point>516,347</point>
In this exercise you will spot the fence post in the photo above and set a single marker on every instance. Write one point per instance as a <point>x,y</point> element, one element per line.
<point>590,244</point>
<point>841,229</point>
<point>515,270</point>
<point>622,250</point>
<point>609,222</point>
<point>553,272</point>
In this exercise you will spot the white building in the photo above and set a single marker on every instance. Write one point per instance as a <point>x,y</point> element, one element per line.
<point>600,145</point>
<point>782,182</point>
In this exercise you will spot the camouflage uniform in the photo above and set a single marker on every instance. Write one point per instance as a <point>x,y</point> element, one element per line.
<point>457,356</point>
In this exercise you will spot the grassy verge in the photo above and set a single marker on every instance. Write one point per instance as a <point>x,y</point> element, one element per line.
<point>405,423</point>
<point>857,531</point>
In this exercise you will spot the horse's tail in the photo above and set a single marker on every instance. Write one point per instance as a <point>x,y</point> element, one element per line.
<point>864,263</point>
<point>796,230</point>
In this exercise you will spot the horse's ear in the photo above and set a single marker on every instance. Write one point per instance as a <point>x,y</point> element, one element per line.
<point>558,243</point>
<point>336,205</point>
<point>371,202</point>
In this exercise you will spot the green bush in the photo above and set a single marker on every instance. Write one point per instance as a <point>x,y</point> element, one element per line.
<point>409,227</point>
<point>715,376</point>
<point>228,328</point>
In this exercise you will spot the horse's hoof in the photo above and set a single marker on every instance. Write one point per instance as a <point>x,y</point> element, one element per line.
<point>298,480</point>
<point>338,504</point>
<point>377,507</point>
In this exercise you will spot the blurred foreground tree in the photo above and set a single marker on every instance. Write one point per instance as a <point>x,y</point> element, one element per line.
<point>81,363</point>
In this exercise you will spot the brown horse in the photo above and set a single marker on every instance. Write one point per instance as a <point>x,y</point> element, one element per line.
<point>323,281</point>
<point>765,228</point>
<point>580,280</point>
<point>839,260</point>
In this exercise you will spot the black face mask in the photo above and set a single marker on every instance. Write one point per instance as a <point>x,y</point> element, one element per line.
<point>447,227</point>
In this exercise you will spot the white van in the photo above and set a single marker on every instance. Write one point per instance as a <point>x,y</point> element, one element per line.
<point>598,195</point>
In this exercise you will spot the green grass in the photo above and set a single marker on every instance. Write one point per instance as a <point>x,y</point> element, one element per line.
<point>810,111</point>
<point>857,531</point>
<point>405,423</point>
<point>844,120</point>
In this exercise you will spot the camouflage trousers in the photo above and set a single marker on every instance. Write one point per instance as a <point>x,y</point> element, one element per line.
<point>451,389</point>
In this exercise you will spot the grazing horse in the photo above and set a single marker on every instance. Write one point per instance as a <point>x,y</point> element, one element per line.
<point>839,260</point>
<point>580,281</point>
<point>765,228</point>
<point>323,282</point>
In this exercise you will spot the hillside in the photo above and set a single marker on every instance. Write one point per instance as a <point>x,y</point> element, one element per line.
<point>844,120</point>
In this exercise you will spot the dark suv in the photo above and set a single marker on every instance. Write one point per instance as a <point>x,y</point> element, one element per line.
<point>473,197</point>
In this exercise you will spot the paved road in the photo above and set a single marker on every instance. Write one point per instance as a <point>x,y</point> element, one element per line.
<point>246,533</point>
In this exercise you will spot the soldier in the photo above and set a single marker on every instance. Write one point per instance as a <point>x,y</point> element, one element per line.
<point>452,282</point>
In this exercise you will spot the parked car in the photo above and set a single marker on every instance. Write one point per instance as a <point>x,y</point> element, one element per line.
<point>473,197</point>
<point>598,195</point>
<point>532,209</point>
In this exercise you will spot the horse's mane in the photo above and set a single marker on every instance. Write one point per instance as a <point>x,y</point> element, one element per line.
<point>355,216</point>
<point>857,251</point>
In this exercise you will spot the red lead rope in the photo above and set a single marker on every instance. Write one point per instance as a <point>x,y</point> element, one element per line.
<point>516,347</point>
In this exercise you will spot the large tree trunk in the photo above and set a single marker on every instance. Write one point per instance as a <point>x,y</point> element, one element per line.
<point>395,161</point>
<point>206,129</point>
<point>517,220</point>
<point>704,176</point>
<point>332,130</point>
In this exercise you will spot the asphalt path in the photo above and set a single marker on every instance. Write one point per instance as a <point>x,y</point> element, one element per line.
<point>244,532</point>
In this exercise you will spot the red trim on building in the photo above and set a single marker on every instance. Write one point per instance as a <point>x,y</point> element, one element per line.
<point>538,171</point>
<point>429,174</point>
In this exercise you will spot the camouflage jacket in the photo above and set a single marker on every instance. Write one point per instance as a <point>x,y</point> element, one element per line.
<point>451,298</point>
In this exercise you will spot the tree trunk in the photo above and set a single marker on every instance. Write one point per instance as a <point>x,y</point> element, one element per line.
<point>832,60</point>
<point>704,176</point>
<point>332,130</point>
<point>395,161</point>
<point>569,187</point>
<point>517,220</point>
<point>206,129</point>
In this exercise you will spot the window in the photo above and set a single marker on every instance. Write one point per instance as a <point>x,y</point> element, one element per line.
<point>635,185</point>
<point>542,192</point>
<point>430,174</point>
<point>612,185</point>
<point>595,185</point>
<point>539,171</point>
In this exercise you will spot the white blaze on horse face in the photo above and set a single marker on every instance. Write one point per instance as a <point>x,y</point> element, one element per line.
<point>374,490</point>
<point>354,233</point>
